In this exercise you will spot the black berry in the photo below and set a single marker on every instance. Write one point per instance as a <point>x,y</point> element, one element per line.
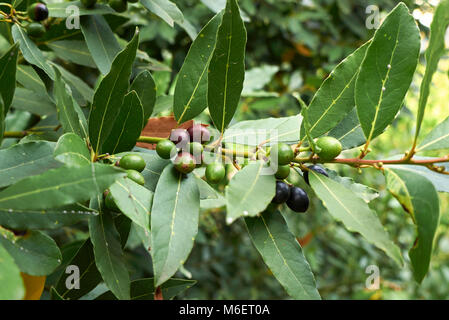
<point>38,11</point>
<point>298,200</point>
<point>282,193</point>
<point>315,168</point>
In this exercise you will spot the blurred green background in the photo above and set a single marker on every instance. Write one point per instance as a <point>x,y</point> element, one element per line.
<point>292,46</point>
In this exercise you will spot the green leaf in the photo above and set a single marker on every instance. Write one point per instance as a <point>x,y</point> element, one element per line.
<point>438,138</point>
<point>108,252</point>
<point>67,115</point>
<point>75,51</point>
<point>174,222</point>
<point>348,131</point>
<point>89,276</point>
<point>143,289</point>
<point>35,253</point>
<point>58,187</point>
<point>335,98</point>
<point>145,87</point>
<point>63,10</point>
<point>24,160</point>
<point>347,207</point>
<point>81,91</point>
<point>29,79</point>
<point>364,192</point>
<point>153,170</point>
<point>206,190</point>
<point>165,9</point>
<point>256,79</point>
<point>30,51</point>
<point>253,132</point>
<point>387,71</point>
<point>250,191</point>
<point>101,41</point>
<point>28,100</point>
<point>419,198</point>
<point>435,50</point>
<point>29,219</point>
<point>227,67</point>
<point>282,254</point>
<point>8,65</point>
<point>133,200</point>
<point>11,284</point>
<point>110,94</point>
<point>127,126</point>
<point>72,150</point>
<point>191,88</point>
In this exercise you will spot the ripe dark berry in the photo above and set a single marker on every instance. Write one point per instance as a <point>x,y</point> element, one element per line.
<point>165,149</point>
<point>38,11</point>
<point>184,162</point>
<point>118,5</point>
<point>199,133</point>
<point>330,148</point>
<point>89,3</point>
<point>215,172</point>
<point>283,172</point>
<point>132,161</point>
<point>35,30</point>
<point>298,200</point>
<point>136,176</point>
<point>282,192</point>
<point>283,152</point>
<point>315,168</point>
<point>180,137</point>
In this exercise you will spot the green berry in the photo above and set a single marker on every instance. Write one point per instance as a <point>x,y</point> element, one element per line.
<point>165,148</point>
<point>184,162</point>
<point>196,148</point>
<point>38,11</point>
<point>132,161</point>
<point>330,148</point>
<point>215,172</point>
<point>110,203</point>
<point>283,172</point>
<point>283,152</point>
<point>118,5</point>
<point>35,30</point>
<point>136,176</point>
<point>89,3</point>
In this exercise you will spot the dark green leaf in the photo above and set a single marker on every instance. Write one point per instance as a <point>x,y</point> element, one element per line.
<point>75,51</point>
<point>145,87</point>
<point>72,150</point>
<point>8,65</point>
<point>165,9</point>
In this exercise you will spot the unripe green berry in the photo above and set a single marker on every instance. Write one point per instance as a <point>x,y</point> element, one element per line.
<point>165,149</point>
<point>136,176</point>
<point>215,172</point>
<point>132,161</point>
<point>184,162</point>
<point>283,152</point>
<point>283,172</point>
<point>35,30</point>
<point>330,148</point>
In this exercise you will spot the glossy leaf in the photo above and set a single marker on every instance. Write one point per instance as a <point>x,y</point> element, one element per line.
<point>127,127</point>
<point>133,200</point>
<point>190,97</point>
<point>355,214</point>
<point>283,255</point>
<point>249,192</point>
<point>110,94</point>
<point>438,138</point>
<point>143,289</point>
<point>109,254</point>
<point>89,278</point>
<point>227,67</point>
<point>253,132</point>
<point>75,51</point>
<point>25,160</point>
<point>72,150</point>
<point>335,98</point>
<point>348,131</point>
<point>435,50</point>
<point>35,253</point>
<point>30,51</point>
<point>29,219</point>
<point>67,114</point>
<point>145,87</point>
<point>101,41</point>
<point>174,222</point>
<point>165,9</point>
<point>11,284</point>
<point>58,187</point>
<point>8,65</point>
<point>387,71</point>
<point>419,198</point>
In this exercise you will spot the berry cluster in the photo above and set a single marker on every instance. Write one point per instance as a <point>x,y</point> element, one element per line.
<point>37,12</point>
